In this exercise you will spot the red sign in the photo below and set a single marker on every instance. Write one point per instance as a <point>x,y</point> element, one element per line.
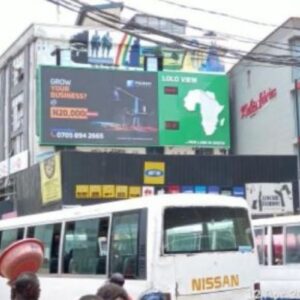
<point>249,109</point>
<point>173,189</point>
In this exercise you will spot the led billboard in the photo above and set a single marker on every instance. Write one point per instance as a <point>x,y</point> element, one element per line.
<point>97,107</point>
<point>193,109</point>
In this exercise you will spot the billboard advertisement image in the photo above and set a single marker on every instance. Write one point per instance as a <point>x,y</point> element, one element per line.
<point>270,198</point>
<point>97,107</point>
<point>87,47</point>
<point>193,109</point>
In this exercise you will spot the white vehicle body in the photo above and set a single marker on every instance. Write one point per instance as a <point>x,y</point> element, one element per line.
<point>173,257</point>
<point>278,244</point>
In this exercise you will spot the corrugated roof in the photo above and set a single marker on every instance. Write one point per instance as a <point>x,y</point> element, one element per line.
<point>88,8</point>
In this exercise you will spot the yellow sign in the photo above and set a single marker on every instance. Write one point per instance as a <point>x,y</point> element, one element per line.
<point>154,172</point>
<point>82,191</point>
<point>134,191</point>
<point>122,191</point>
<point>50,172</point>
<point>217,282</point>
<point>108,191</point>
<point>95,191</point>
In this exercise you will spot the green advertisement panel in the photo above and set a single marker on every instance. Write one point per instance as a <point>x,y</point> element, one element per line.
<point>193,109</point>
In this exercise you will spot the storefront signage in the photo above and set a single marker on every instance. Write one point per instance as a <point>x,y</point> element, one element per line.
<point>249,109</point>
<point>109,191</point>
<point>121,191</point>
<point>134,191</point>
<point>51,186</point>
<point>82,191</point>
<point>270,198</point>
<point>148,191</point>
<point>154,172</point>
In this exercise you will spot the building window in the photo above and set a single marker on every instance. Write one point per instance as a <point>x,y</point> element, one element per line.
<point>18,69</point>
<point>17,112</point>
<point>17,144</point>
<point>16,125</point>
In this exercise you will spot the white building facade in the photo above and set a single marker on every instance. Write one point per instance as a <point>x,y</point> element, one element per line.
<point>263,98</point>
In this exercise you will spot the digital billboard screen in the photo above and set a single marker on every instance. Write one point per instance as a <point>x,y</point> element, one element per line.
<point>97,107</point>
<point>193,109</point>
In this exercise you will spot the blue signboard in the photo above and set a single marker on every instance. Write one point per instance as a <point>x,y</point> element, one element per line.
<point>238,191</point>
<point>201,189</point>
<point>213,189</point>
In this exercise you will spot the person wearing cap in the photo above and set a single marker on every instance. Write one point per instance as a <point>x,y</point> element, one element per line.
<point>25,287</point>
<point>152,295</point>
<point>117,278</point>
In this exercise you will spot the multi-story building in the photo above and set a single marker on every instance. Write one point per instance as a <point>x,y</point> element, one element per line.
<point>79,46</point>
<point>264,96</point>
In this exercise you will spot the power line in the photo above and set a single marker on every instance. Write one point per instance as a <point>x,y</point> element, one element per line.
<point>204,46</point>
<point>226,15</point>
<point>238,38</point>
<point>234,53</point>
<point>231,16</point>
<point>70,6</point>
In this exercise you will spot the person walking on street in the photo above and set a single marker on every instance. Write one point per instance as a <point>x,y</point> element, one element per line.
<point>25,287</point>
<point>112,291</point>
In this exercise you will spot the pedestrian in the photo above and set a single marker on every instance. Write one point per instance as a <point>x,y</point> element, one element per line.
<point>90,297</point>
<point>117,278</point>
<point>112,291</point>
<point>25,287</point>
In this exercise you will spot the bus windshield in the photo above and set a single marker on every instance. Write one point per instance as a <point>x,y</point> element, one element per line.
<point>206,229</point>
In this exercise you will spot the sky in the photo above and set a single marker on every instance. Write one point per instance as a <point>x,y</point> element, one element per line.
<point>17,15</point>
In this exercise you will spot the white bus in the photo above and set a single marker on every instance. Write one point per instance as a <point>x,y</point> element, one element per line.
<point>188,246</point>
<point>278,244</point>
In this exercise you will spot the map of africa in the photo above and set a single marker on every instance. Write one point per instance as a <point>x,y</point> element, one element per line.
<point>210,109</point>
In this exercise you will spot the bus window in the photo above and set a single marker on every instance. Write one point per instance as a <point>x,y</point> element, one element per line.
<point>199,229</point>
<point>259,242</point>
<point>85,246</point>
<point>261,245</point>
<point>9,236</point>
<point>49,234</point>
<point>128,249</point>
<point>293,245</point>
<point>277,246</point>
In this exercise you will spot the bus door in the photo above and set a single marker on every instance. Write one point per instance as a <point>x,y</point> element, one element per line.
<point>213,252</point>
